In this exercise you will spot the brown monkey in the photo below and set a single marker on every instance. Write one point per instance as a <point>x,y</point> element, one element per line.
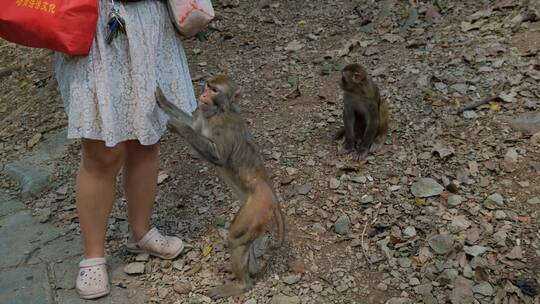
<point>365,114</point>
<point>220,135</point>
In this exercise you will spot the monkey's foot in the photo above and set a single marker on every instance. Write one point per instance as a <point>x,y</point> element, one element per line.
<point>361,157</point>
<point>376,147</point>
<point>228,290</point>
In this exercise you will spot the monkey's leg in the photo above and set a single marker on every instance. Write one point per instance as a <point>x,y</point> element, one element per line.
<point>382,129</point>
<point>239,261</point>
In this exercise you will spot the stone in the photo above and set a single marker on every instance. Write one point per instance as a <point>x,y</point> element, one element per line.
<point>459,223</point>
<point>448,276</point>
<point>316,287</point>
<point>317,228</point>
<point>462,292</point>
<point>382,287</point>
<point>534,201</point>
<point>414,281</point>
<point>334,183</point>
<point>294,46</point>
<point>31,178</point>
<point>409,232</point>
<point>366,199</point>
<point>499,215</point>
<point>528,123</point>
<point>468,272</point>
<point>441,243</point>
<point>399,301</point>
<point>494,201</point>
<point>9,204</point>
<point>404,262</point>
<point>162,292</point>
<point>454,200</point>
<point>142,257</point>
<point>511,156</point>
<point>484,288</point>
<point>304,189</point>
<point>292,279</point>
<point>281,299</point>
<point>21,233</point>
<point>470,114</point>
<point>426,187</point>
<point>475,250</point>
<point>134,268</point>
<point>342,224</point>
<point>515,254</point>
<point>25,284</point>
<point>182,287</point>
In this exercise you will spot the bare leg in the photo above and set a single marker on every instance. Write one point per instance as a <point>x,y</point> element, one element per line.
<point>140,185</point>
<point>95,192</point>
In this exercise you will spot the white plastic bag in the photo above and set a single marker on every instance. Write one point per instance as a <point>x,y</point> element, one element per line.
<point>190,16</point>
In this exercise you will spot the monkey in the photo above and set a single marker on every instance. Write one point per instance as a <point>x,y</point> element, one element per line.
<point>218,134</point>
<point>365,114</point>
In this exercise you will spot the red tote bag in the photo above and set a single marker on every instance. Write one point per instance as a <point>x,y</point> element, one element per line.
<point>66,26</point>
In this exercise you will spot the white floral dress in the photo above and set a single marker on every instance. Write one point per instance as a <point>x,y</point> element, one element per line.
<point>109,94</point>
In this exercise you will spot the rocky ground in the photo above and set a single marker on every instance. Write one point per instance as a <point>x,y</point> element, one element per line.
<point>447,213</point>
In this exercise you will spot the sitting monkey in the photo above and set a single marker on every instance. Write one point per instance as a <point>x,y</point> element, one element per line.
<point>365,114</point>
<point>220,135</point>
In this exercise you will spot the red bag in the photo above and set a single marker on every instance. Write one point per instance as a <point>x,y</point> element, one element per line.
<point>66,26</point>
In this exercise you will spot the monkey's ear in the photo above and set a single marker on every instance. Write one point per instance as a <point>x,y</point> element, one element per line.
<point>358,77</point>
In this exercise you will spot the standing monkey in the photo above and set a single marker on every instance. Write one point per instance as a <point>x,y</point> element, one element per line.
<point>365,114</point>
<point>220,135</point>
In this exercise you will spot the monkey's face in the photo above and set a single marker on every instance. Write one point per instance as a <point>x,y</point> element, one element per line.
<point>207,98</point>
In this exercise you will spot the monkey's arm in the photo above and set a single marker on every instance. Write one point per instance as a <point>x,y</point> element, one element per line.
<point>172,110</point>
<point>371,117</point>
<point>204,146</point>
<point>349,119</point>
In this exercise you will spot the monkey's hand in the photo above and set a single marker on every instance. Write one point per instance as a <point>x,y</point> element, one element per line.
<point>346,148</point>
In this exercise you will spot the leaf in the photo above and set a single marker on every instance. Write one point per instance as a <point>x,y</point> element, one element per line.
<point>494,106</point>
<point>206,250</point>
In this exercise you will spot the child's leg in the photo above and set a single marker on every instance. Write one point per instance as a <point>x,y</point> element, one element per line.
<point>140,185</point>
<point>95,192</point>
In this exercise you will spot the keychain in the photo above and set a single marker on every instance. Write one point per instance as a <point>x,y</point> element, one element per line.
<point>116,23</point>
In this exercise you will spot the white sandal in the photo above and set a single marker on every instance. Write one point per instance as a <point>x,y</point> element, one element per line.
<point>156,244</point>
<point>93,280</point>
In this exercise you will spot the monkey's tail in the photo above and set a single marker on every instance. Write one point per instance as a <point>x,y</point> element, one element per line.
<point>339,134</point>
<point>281,226</point>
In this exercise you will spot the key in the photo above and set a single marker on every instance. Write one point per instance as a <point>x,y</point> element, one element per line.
<point>116,23</point>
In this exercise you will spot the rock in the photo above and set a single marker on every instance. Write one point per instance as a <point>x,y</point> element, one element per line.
<point>459,223</point>
<point>281,299</point>
<point>399,301</point>
<point>511,156</point>
<point>426,187</point>
<point>441,243</point>
<point>409,232</point>
<point>251,301</point>
<point>142,257</point>
<point>404,262</point>
<point>31,178</point>
<point>134,268</point>
<point>44,215</point>
<point>515,254</point>
<point>182,287</point>
<point>342,224</point>
<point>494,201</point>
<point>534,201</point>
<point>468,272</point>
<point>162,292</point>
<point>294,46</point>
<point>475,250</point>
<point>292,279</point>
<point>318,228</point>
<point>470,114</point>
<point>304,189</point>
<point>382,287</point>
<point>358,179</point>
<point>462,292</point>
<point>366,199</point>
<point>316,287</point>
<point>484,288</point>
<point>499,215</point>
<point>414,281</point>
<point>423,289</point>
<point>334,183</point>
<point>448,276</point>
<point>342,287</point>
<point>528,123</point>
<point>454,200</point>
